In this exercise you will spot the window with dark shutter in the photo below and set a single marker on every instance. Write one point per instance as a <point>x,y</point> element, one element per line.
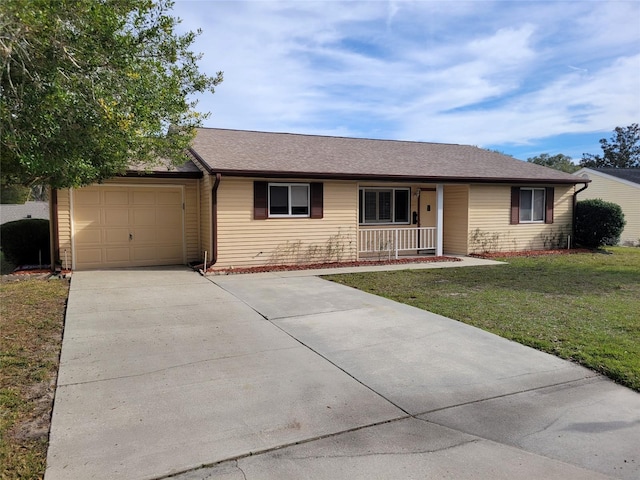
<point>317,200</point>
<point>549,205</point>
<point>260,208</point>
<point>515,205</point>
<point>532,205</point>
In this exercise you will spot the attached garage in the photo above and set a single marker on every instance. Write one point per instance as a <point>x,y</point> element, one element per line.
<point>127,226</point>
<point>137,220</point>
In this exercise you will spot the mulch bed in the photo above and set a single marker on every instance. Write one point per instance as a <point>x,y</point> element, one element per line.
<point>530,253</point>
<point>314,266</point>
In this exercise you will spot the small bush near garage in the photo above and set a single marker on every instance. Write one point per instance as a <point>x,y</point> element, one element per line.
<point>598,223</point>
<point>26,242</point>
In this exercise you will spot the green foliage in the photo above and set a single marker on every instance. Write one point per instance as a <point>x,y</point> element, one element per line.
<point>559,162</point>
<point>598,223</point>
<point>13,194</point>
<point>88,86</point>
<point>623,151</point>
<point>26,242</point>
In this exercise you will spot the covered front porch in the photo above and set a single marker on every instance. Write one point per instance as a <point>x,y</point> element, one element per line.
<point>423,235</point>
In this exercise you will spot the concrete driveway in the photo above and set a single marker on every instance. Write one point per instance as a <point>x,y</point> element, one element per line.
<point>164,372</point>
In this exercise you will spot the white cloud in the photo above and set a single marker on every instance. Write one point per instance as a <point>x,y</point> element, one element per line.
<point>465,72</point>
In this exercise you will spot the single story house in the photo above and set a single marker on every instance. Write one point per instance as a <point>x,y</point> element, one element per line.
<point>621,186</point>
<point>255,198</point>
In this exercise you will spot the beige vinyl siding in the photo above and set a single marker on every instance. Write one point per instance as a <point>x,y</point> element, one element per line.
<point>64,228</point>
<point>205,185</point>
<point>455,219</point>
<point>191,214</point>
<point>625,195</point>
<point>489,217</point>
<point>243,241</point>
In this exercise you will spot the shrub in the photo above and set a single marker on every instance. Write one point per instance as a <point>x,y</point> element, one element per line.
<point>22,241</point>
<point>13,194</point>
<point>598,223</point>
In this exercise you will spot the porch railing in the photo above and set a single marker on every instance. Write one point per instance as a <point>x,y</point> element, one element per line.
<point>391,241</point>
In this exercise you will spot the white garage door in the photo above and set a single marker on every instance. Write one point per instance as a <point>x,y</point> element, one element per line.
<point>117,226</point>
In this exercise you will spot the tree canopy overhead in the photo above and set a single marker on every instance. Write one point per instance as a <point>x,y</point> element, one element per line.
<point>622,151</point>
<point>559,162</point>
<point>88,87</point>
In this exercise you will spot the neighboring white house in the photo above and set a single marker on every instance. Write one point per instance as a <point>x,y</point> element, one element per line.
<point>621,186</point>
<point>12,212</point>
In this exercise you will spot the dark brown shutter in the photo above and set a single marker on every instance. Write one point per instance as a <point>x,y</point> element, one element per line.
<point>260,207</point>
<point>317,201</point>
<point>515,205</point>
<point>548,218</point>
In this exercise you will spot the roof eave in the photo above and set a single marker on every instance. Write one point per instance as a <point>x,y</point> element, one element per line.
<point>390,178</point>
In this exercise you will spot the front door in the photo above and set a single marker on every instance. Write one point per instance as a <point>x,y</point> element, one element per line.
<point>427,208</point>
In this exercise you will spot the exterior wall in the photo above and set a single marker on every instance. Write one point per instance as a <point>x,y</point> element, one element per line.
<point>455,237</point>
<point>490,228</point>
<point>626,195</point>
<point>243,241</point>
<point>64,228</point>
<point>191,215</point>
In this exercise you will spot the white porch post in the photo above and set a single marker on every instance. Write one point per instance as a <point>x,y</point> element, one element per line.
<point>440,217</point>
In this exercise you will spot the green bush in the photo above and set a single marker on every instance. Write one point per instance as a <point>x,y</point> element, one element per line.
<point>23,241</point>
<point>598,223</point>
<point>13,194</point>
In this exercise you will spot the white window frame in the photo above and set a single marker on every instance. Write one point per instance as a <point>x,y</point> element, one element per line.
<point>544,205</point>
<point>361,200</point>
<point>289,215</point>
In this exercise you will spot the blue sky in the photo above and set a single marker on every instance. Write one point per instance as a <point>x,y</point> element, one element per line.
<point>520,77</point>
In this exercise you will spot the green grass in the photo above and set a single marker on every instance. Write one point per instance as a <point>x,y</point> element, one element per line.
<point>31,322</point>
<point>581,307</point>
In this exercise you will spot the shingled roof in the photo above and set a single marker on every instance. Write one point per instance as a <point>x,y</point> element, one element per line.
<point>629,174</point>
<point>247,153</point>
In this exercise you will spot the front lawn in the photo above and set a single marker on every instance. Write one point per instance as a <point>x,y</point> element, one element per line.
<point>31,322</point>
<point>582,307</point>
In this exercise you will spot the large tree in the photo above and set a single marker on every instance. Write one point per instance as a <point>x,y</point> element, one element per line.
<point>88,87</point>
<point>622,151</point>
<point>559,162</point>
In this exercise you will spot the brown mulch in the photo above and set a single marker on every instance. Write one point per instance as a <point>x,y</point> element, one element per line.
<point>314,266</point>
<point>530,253</point>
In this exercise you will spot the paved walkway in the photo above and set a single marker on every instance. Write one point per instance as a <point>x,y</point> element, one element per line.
<point>165,372</point>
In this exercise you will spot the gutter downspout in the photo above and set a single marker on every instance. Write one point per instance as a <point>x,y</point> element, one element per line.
<point>214,221</point>
<point>573,214</point>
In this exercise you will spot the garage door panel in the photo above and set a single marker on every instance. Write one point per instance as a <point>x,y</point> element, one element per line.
<point>128,226</point>
<point>116,217</point>
<point>87,196</point>
<point>116,235</point>
<point>87,215</point>
<point>169,253</point>
<point>170,217</point>
<point>144,254</point>
<point>172,235</point>
<point>148,236</point>
<point>89,236</point>
<point>116,197</point>
<point>89,256</point>
<point>116,254</point>
<point>144,216</point>
<point>169,198</point>
<point>146,197</point>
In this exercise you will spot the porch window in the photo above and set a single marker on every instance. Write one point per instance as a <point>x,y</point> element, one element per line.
<point>288,199</point>
<point>384,205</point>
<point>532,205</point>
